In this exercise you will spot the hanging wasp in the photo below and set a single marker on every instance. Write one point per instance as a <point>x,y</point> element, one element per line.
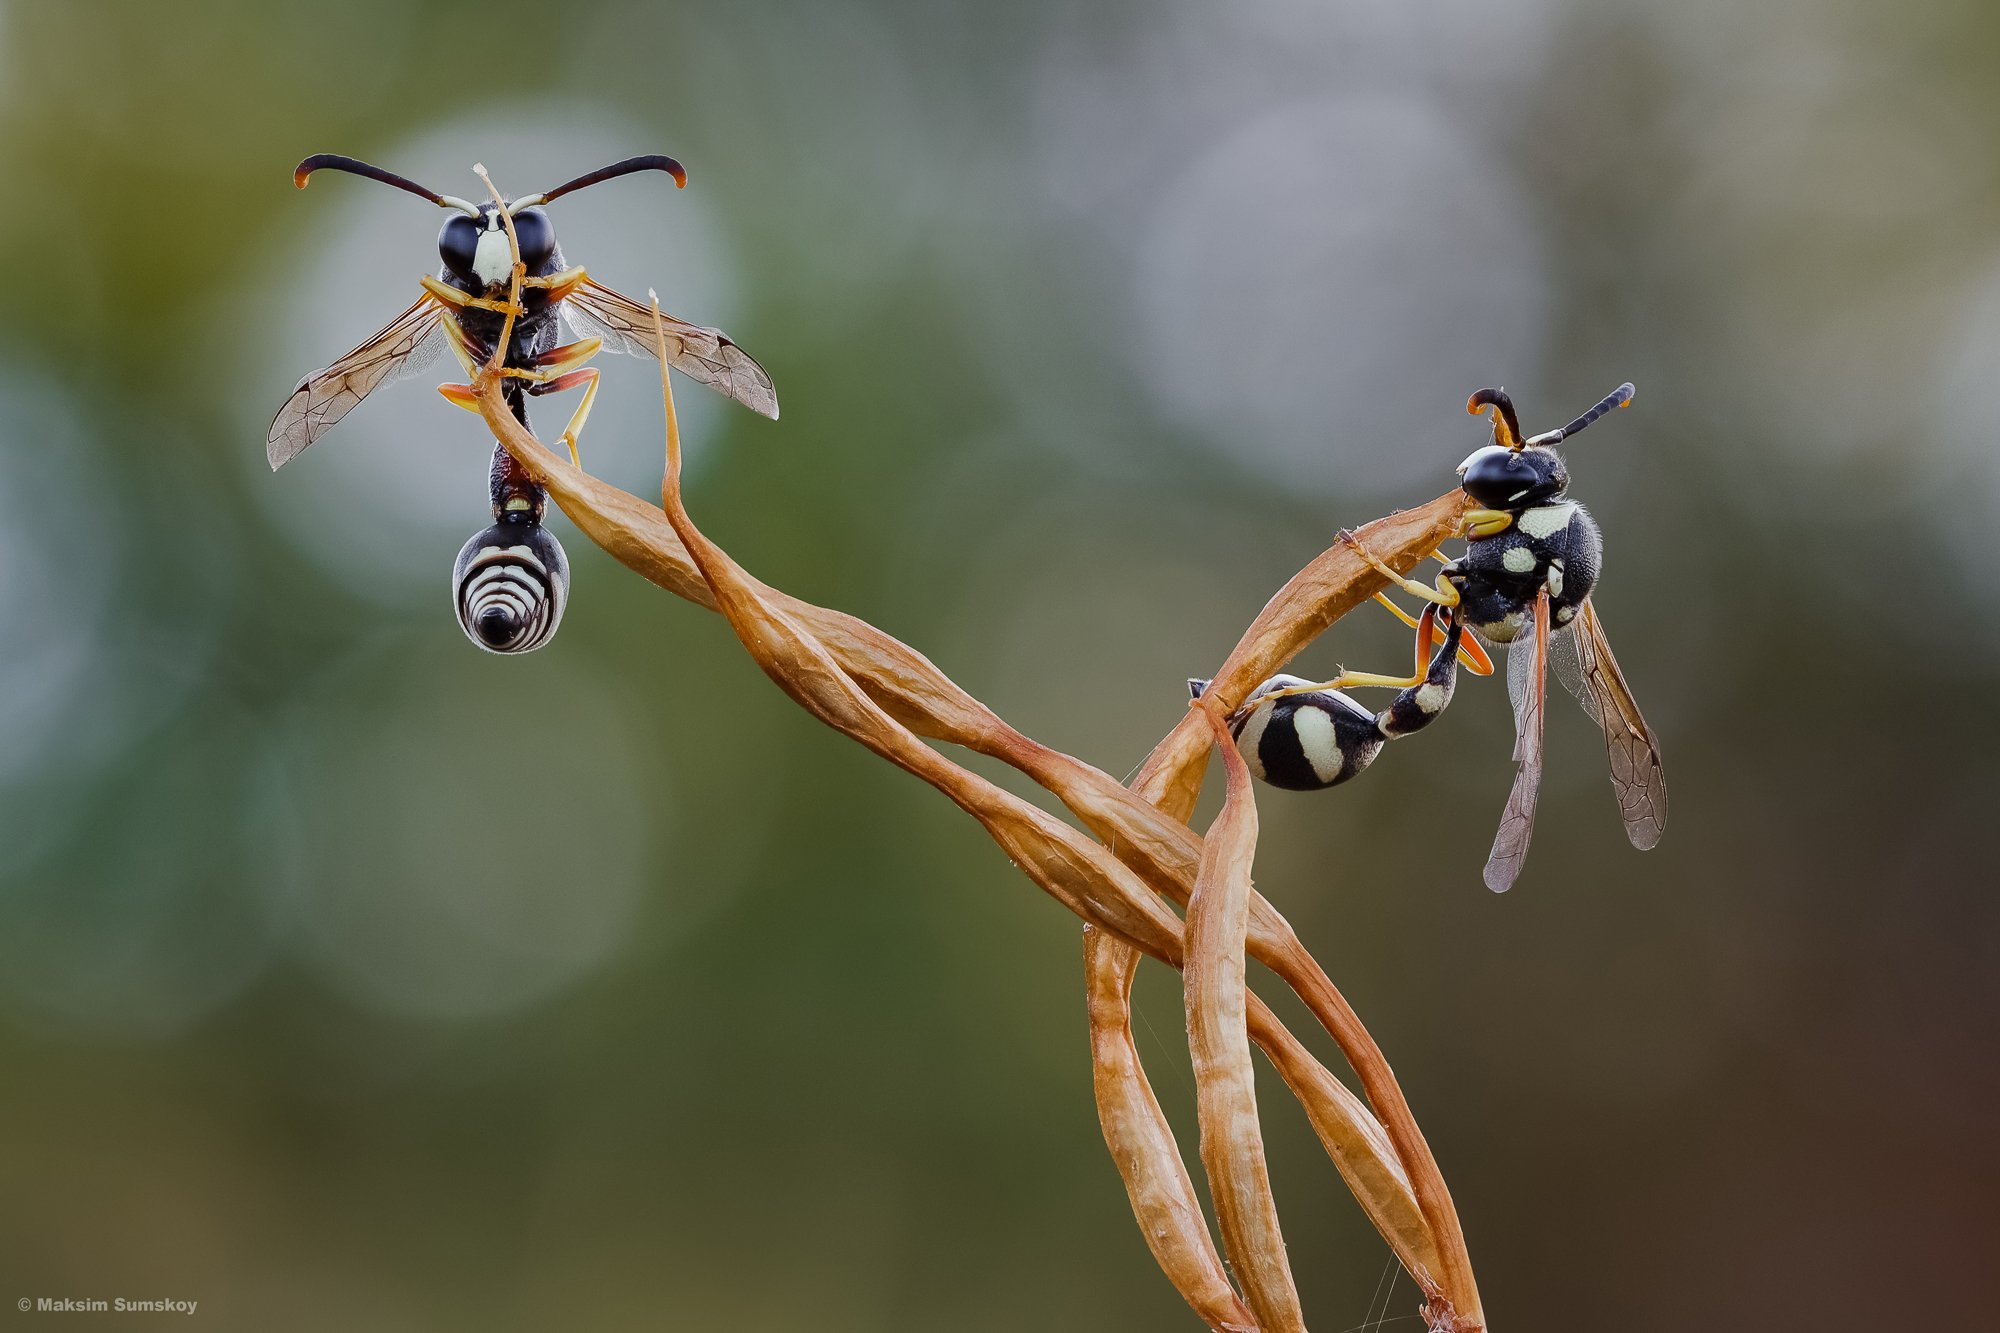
<point>1532,558</point>
<point>1303,736</point>
<point>511,580</point>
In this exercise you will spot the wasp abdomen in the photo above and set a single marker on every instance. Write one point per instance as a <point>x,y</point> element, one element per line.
<point>509,586</point>
<point>1303,742</point>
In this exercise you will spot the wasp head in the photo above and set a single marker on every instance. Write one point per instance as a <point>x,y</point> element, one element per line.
<point>1513,473</point>
<point>1497,477</point>
<point>475,249</point>
<point>473,244</point>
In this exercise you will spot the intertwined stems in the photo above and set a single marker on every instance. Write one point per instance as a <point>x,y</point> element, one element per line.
<point>880,691</point>
<point>1232,1139</point>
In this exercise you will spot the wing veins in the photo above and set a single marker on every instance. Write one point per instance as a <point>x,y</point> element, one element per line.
<point>707,356</point>
<point>321,399</point>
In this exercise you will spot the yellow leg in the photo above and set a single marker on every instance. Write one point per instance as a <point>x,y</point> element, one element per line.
<point>464,395</point>
<point>452,296</point>
<point>1470,655</point>
<point>1341,682</point>
<point>587,378</point>
<point>460,348</point>
<point>557,361</point>
<point>560,284</point>
<point>1443,594</point>
<point>1396,611</point>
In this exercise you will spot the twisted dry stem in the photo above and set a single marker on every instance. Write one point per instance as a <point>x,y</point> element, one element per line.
<point>1232,1140</point>
<point>886,695</point>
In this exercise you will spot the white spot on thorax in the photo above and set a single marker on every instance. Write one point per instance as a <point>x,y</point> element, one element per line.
<point>1319,742</point>
<point>1555,578</point>
<point>1518,560</point>
<point>1546,520</point>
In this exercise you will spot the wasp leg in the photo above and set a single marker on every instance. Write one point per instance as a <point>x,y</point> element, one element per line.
<point>464,395</point>
<point>1487,522</point>
<point>452,296</point>
<point>561,360</point>
<point>1426,628</point>
<point>586,378</point>
<point>559,284</point>
<point>1470,655</point>
<point>1444,594</point>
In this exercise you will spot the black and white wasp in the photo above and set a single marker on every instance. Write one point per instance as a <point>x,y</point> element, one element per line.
<point>1532,558</point>
<point>511,580</point>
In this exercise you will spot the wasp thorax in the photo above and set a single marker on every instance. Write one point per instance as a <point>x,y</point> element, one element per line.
<point>1502,478</point>
<point>509,587</point>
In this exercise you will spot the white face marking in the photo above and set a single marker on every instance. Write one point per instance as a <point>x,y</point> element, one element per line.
<point>1476,454</point>
<point>1248,740</point>
<point>1555,578</point>
<point>1546,520</point>
<point>1518,560</point>
<point>1431,697</point>
<point>492,260</point>
<point>1319,742</point>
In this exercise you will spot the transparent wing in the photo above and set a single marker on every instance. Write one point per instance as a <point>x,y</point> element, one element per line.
<point>1528,683</point>
<point>1585,664</point>
<point>325,396</point>
<point>706,356</point>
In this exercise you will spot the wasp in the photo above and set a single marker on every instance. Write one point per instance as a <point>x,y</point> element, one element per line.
<point>1531,562</point>
<point>511,580</point>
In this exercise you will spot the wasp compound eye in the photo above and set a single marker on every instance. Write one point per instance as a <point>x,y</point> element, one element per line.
<point>458,242</point>
<point>1501,478</point>
<point>537,236</point>
<point>509,586</point>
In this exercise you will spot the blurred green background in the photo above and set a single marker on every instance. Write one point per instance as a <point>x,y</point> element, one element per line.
<point>352,978</point>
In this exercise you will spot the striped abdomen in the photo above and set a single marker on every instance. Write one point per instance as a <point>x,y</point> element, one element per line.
<point>509,586</point>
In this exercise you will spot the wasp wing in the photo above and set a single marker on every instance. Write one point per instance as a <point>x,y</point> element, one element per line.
<point>1586,667</point>
<point>706,356</point>
<point>1528,683</point>
<point>325,396</point>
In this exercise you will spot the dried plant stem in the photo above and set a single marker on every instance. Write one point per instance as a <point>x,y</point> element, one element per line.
<point>911,690</point>
<point>1322,591</point>
<point>1142,1144</point>
<point>879,691</point>
<point>1232,1141</point>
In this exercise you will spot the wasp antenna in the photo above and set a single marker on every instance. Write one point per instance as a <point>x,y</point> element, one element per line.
<point>653,162</point>
<point>356,167</point>
<point>1506,426</point>
<point>1618,397</point>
